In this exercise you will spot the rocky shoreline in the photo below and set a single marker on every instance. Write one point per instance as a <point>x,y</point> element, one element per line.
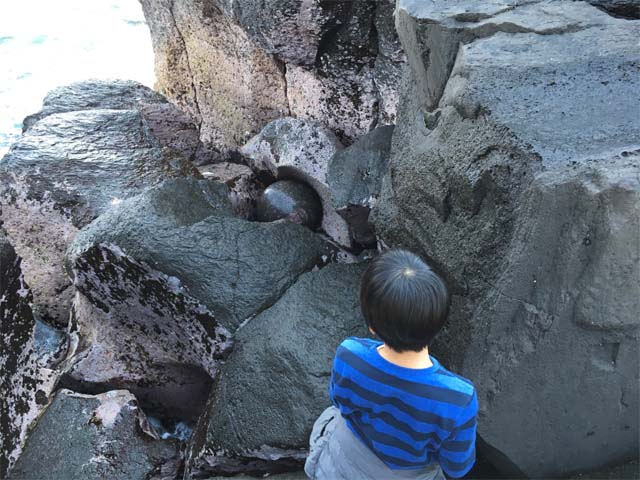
<point>176,272</point>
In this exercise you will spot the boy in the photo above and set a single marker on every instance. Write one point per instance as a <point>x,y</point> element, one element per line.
<point>397,412</point>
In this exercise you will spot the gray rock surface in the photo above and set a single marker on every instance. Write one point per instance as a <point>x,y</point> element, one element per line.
<point>24,382</point>
<point>514,168</point>
<point>94,144</point>
<point>354,178</point>
<point>290,148</point>
<point>274,385</point>
<point>83,437</point>
<point>244,185</point>
<point>138,329</point>
<point>86,161</point>
<point>354,175</point>
<point>234,267</point>
<point>170,126</point>
<point>201,53</point>
<point>333,62</point>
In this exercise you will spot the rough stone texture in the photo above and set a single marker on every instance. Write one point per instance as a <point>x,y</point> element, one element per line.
<point>244,185</point>
<point>82,437</point>
<point>354,175</point>
<point>624,471</point>
<point>41,235</point>
<point>211,67</point>
<point>274,385</point>
<point>139,329</point>
<point>24,382</point>
<point>301,150</point>
<point>234,267</point>
<point>93,144</point>
<point>389,64</point>
<point>515,169</point>
<point>86,161</point>
<point>167,123</point>
<point>619,8</point>
<point>336,62</point>
<point>290,199</point>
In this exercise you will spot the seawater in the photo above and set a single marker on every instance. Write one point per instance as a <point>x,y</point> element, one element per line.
<point>48,43</point>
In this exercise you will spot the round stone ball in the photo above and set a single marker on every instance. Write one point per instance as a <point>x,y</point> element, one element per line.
<point>290,199</point>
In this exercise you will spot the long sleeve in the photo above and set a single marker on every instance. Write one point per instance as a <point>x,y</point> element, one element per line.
<point>458,452</point>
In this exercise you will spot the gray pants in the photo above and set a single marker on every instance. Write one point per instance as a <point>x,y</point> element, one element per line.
<point>336,454</point>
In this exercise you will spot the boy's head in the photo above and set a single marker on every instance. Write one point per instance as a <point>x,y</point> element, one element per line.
<point>403,300</point>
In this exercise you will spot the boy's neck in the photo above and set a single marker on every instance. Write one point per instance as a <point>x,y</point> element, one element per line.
<point>408,359</point>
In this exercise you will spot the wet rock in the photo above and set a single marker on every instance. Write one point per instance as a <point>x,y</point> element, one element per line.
<point>251,426</point>
<point>94,437</point>
<point>244,185</point>
<point>49,343</point>
<point>234,267</point>
<point>73,164</point>
<point>107,155</point>
<point>503,173</point>
<point>333,62</point>
<point>170,126</point>
<point>292,200</point>
<point>289,148</point>
<point>24,381</point>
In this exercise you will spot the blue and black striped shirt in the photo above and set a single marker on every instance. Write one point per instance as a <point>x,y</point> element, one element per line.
<point>409,418</point>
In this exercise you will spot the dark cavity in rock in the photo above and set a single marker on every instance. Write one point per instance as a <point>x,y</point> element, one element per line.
<point>292,200</point>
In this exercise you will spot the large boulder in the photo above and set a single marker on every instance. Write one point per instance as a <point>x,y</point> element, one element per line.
<point>290,148</point>
<point>334,62</point>
<point>25,382</point>
<point>514,168</point>
<point>84,437</point>
<point>275,383</point>
<point>94,143</point>
<point>234,267</point>
<point>170,126</point>
<point>138,329</point>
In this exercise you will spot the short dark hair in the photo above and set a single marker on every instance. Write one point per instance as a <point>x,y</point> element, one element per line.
<point>403,300</point>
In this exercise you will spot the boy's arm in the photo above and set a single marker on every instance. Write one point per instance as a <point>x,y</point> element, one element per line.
<point>332,384</point>
<point>458,452</point>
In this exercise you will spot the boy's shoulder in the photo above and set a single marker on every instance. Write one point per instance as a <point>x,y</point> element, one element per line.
<point>456,382</point>
<point>440,377</point>
<point>358,344</point>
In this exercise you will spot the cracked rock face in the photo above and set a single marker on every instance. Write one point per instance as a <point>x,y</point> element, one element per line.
<point>274,384</point>
<point>337,63</point>
<point>233,267</point>
<point>93,144</point>
<point>354,176</point>
<point>93,437</point>
<point>25,380</point>
<point>514,169</point>
<point>139,329</point>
